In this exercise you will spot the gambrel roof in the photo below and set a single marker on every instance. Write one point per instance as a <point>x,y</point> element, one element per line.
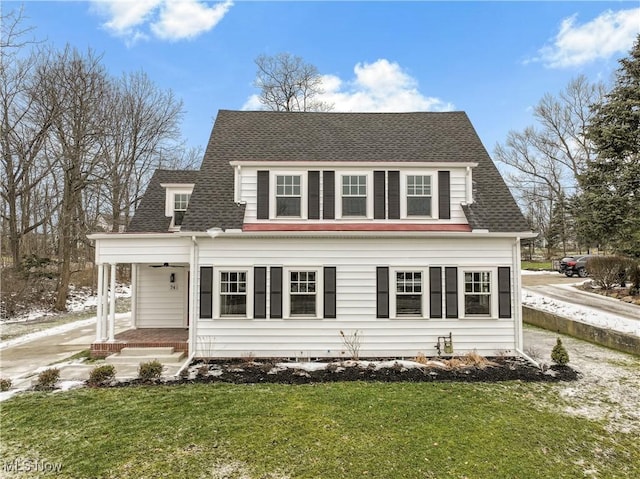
<point>422,137</point>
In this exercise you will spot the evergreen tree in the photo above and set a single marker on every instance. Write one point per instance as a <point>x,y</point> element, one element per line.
<point>559,354</point>
<point>609,206</point>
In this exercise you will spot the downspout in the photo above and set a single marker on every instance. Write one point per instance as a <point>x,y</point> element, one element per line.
<point>517,303</point>
<point>193,324</point>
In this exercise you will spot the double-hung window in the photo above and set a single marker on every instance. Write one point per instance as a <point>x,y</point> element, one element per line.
<point>302,293</point>
<point>180,203</point>
<point>288,195</point>
<point>233,293</point>
<point>477,293</point>
<point>408,293</point>
<point>418,195</point>
<point>354,195</point>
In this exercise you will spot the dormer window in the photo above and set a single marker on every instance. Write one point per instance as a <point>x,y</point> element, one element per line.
<point>288,195</point>
<point>180,203</point>
<point>177,196</point>
<point>354,195</point>
<point>418,195</point>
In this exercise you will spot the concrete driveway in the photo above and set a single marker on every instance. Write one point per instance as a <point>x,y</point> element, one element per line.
<point>21,362</point>
<point>558,286</point>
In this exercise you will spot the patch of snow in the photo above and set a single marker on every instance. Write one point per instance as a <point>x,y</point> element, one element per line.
<point>80,299</point>
<point>66,385</point>
<point>63,328</point>
<point>304,366</point>
<point>530,272</point>
<point>583,314</point>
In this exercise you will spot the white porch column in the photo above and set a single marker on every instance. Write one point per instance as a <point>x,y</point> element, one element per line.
<point>112,306</point>
<point>134,294</point>
<point>99,306</point>
<point>104,301</point>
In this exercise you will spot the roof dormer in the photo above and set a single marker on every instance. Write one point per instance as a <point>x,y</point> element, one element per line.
<point>177,196</point>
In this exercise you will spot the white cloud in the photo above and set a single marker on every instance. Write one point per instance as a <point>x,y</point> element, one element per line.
<point>606,35</point>
<point>381,86</point>
<point>188,18</point>
<point>165,19</point>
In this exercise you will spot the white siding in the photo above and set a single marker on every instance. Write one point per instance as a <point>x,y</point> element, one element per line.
<point>159,303</point>
<point>355,261</point>
<point>121,249</point>
<point>249,191</point>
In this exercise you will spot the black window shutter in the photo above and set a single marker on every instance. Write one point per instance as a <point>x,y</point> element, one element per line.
<point>504,292</point>
<point>379,195</point>
<point>394,195</point>
<point>330,292</point>
<point>382,292</point>
<point>435,292</point>
<point>451,291</point>
<point>313,207</point>
<point>206,292</point>
<point>444,195</point>
<point>263,195</point>
<point>328,195</point>
<point>276,292</point>
<point>260,292</point>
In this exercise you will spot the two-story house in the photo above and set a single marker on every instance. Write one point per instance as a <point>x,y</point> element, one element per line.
<point>298,226</point>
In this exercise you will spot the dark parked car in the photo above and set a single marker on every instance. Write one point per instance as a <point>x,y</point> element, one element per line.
<point>572,265</point>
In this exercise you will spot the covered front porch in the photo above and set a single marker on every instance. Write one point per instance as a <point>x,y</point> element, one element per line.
<point>161,296</point>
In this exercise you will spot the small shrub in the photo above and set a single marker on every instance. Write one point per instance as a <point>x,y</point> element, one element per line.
<point>421,358</point>
<point>634,277</point>
<point>48,378</point>
<point>5,384</point>
<point>472,358</point>
<point>351,343</point>
<point>559,354</point>
<point>150,371</point>
<point>102,375</point>
<point>608,271</point>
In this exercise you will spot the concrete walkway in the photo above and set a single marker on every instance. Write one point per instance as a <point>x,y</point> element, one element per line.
<point>22,362</point>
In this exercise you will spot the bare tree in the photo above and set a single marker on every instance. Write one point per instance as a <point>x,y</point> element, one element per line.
<point>75,86</point>
<point>544,161</point>
<point>287,83</point>
<point>24,127</point>
<point>143,127</point>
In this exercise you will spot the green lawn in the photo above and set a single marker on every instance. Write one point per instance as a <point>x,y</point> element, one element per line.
<point>337,430</point>
<point>537,265</point>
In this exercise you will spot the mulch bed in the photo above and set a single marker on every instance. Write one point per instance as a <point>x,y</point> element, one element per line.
<point>265,372</point>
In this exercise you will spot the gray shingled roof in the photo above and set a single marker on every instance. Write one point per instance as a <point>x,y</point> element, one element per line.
<point>149,216</point>
<point>388,137</point>
<point>385,137</point>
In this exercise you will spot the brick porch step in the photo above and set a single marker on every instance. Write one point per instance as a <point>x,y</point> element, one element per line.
<point>166,355</point>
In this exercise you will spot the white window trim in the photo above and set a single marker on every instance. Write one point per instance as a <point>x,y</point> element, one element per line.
<point>286,296</point>
<point>403,193</point>
<point>303,194</point>
<point>393,314</point>
<point>338,194</point>
<point>493,296</point>
<point>217,304</point>
<point>171,190</point>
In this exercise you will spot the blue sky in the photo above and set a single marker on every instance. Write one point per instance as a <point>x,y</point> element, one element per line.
<point>494,60</point>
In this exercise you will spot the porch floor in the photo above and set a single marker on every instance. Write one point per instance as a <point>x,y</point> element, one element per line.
<point>176,338</point>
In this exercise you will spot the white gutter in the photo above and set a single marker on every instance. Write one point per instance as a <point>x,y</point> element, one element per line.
<point>356,164</point>
<point>217,232</point>
<point>528,358</point>
<point>517,295</point>
<point>193,324</point>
